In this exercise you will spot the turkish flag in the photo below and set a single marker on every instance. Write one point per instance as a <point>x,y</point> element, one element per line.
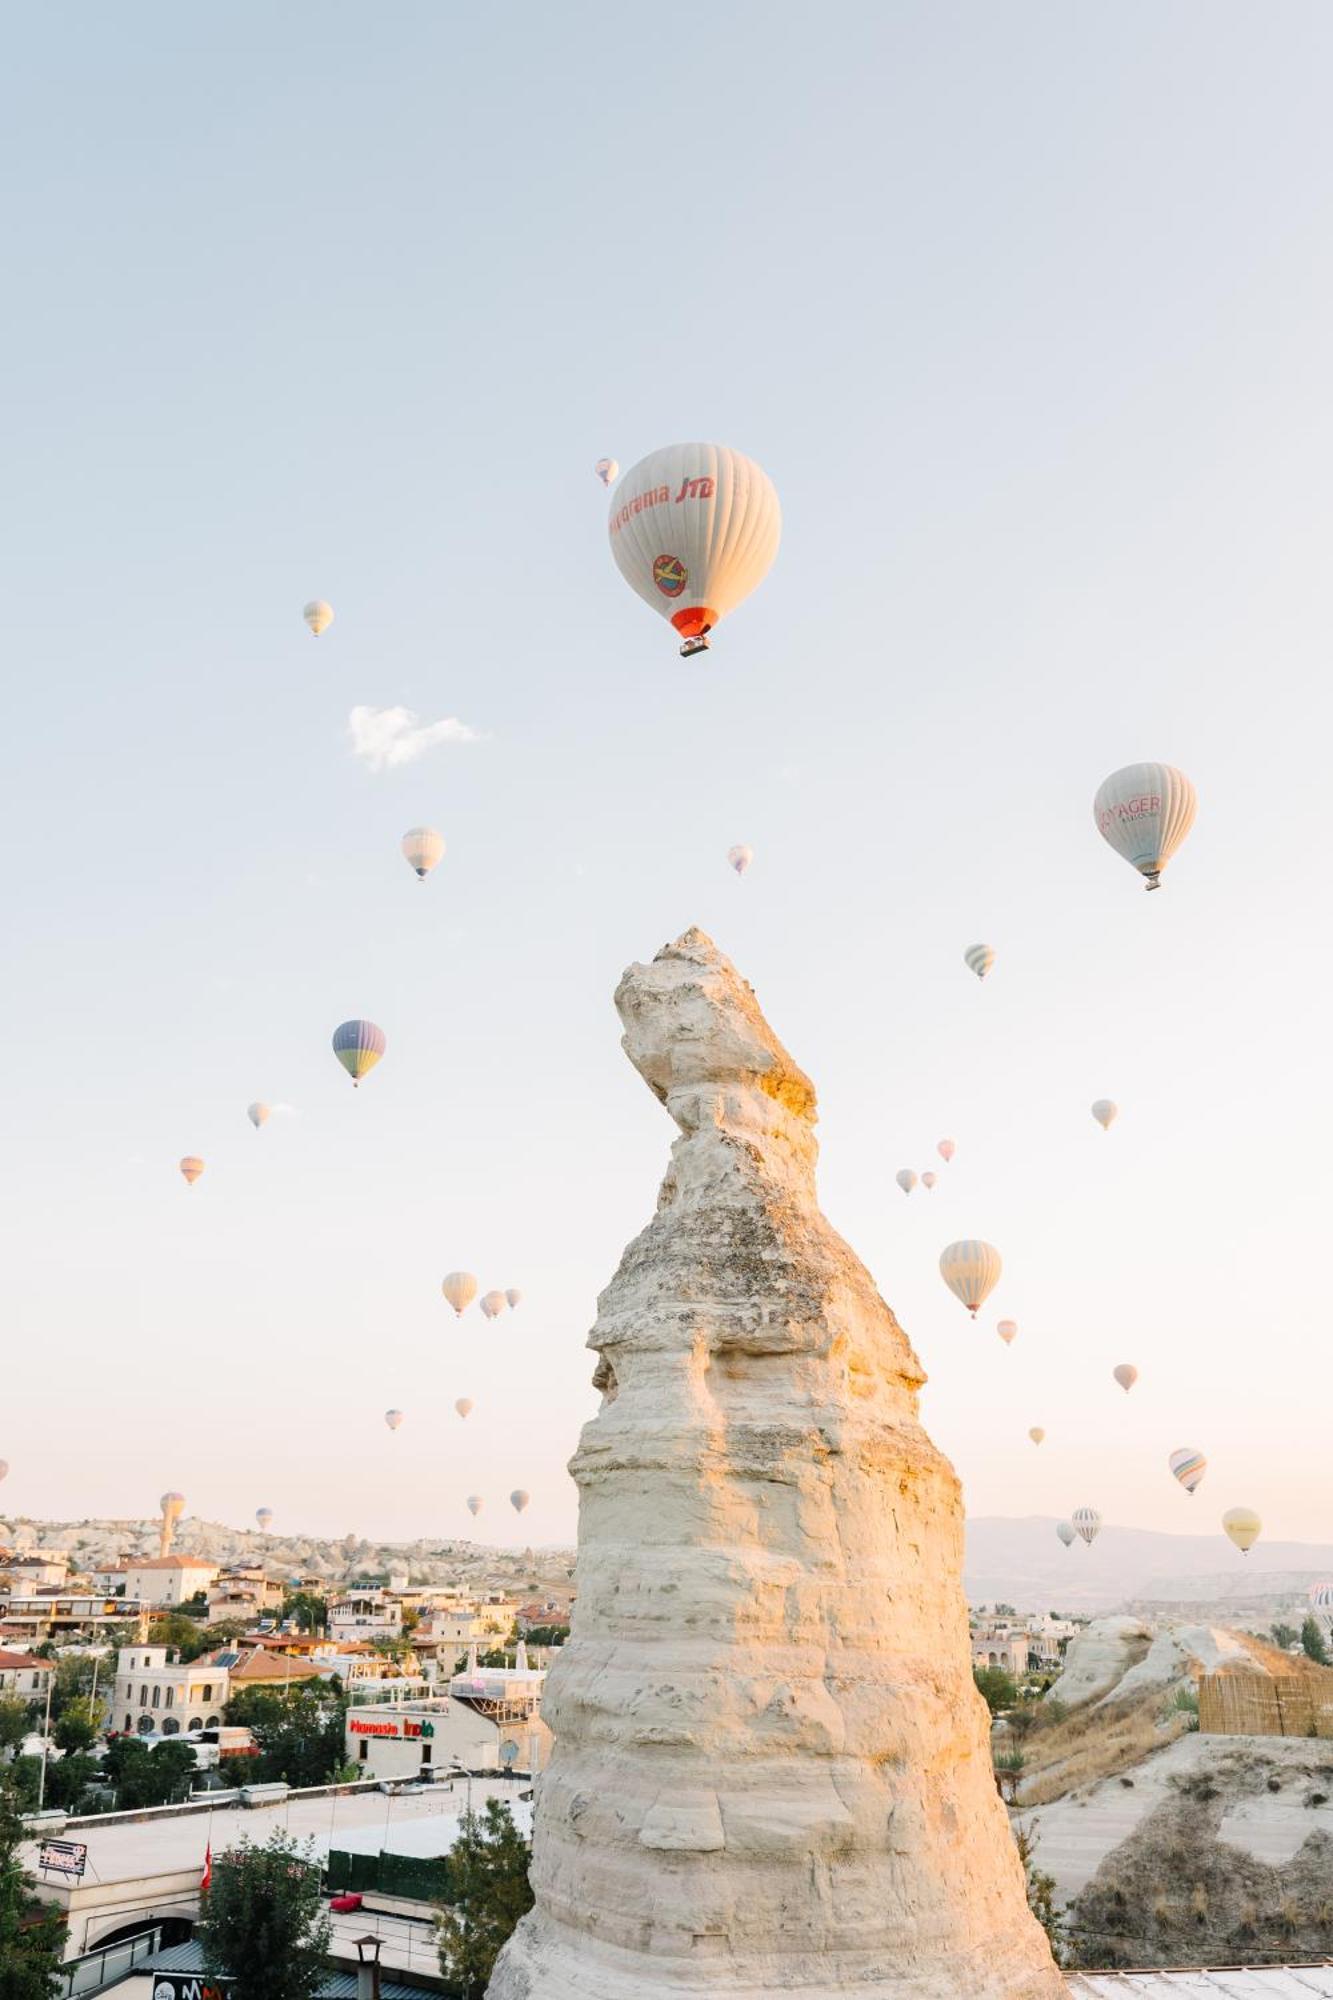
<point>206,1878</point>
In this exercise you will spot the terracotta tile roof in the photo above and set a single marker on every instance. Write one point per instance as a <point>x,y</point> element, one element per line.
<point>10,1661</point>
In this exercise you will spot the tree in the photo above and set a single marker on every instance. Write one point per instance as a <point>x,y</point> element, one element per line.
<point>1312,1639</point>
<point>32,1935</point>
<point>263,1927</point>
<point>1041,1891</point>
<point>999,1688</point>
<point>68,1778</point>
<point>306,1610</point>
<point>144,1777</point>
<point>489,1891</point>
<point>76,1728</point>
<point>186,1636</point>
<point>547,1635</point>
<point>15,1722</point>
<point>298,1731</point>
<point>1285,1636</point>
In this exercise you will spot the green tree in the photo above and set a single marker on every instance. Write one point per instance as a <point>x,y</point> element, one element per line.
<point>298,1731</point>
<point>1313,1641</point>
<point>306,1610</point>
<point>76,1728</point>
<point>68,1778</point>
<point>489,1891</point>
<point>1041,1891</point>
<point>32,1935</point>
<point>185,1636</point>
<point>1284,1636</point>
<point>15,1722</point>
<point>144,1777</point>
<point>547,1635</point>
<point>999,1688</point>
<point>263,1927</point>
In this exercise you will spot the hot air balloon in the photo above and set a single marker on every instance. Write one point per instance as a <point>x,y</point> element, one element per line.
<point>191,1168</point>
<point>1105,1112</point>
<point>1321,1598</point>
<point>606,470</point>
<point>1087,1523</point>
<point>465,1406</point>
<point>4,1468</point>
<point>979,958</point>
<point>1126,1375</point>
<point>358,1046</point>
<point>422,849</point>
<point>318,616</point>
<point>971,1269</point>
<point>475,1503</point>
<point>173,1506</point>
<point>1036,1434</point>
<point>906,1179</point>
<point>393,1418</point>
<point>928,1179</point>
<point>740,857</point>
<point>264,1516</point>
<point>1067,1533</point>
<point>518,1499</point>
<point>1242,1526</point>
<point>1006,1328</point>
<point>258,1114</point>
<point>1188,1466</point>
<point>946,1150</point>
<point>460,1288</point>
<point>493,1304</point>
<point>514,1296</point>
<point>1144,812</point>
<point>694,528</point>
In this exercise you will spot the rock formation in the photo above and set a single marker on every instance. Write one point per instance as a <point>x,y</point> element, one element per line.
<point>771,1773</point>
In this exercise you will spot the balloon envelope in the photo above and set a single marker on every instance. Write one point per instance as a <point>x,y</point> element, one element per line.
<point>906,1179</point>
<point>1067,1533</point>
<point>518,1499</point>
<point>1105,1112</point>
<point>493,1304</point>
<point>606,470</point>
<point>740,857</point>
<point>172,1503</point>
<point>694,528</point>
<point>946,1150</point>
<point>460,1288</point>
<point>393,1418</point>
<point>191,1167</point>
<point>4,1468</point>
<point>465,1406</point>
<point>513,1295</point>
<point>1144,812</point>
<point>1321,1598</point>
<point>979,958</point>
<point>1126,1375</point>
<point>1188,1466</point>
<point>971,1269</point>
<point>928,1179</point>
<point>423,849</point>
<point>1006,1328</point>
<point>258,1114</point>
<point>475,1503</point>
<point>1242,1526</point>
<point>264,1516</point>
<point>1036,1434</point>
<point>1087,1523</point>
<point>318,615</point>
<point>358,1046</point>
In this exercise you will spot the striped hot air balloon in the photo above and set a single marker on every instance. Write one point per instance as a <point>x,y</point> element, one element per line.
<point>191,1168</point>
<point>979,958</point>
<point>1144,812</point>
<point>1321,1599</point>
<point>358,1046</point>
<point>1087,1524</point>
<point>971,1269</point>
<point>1188,1466</point>
<point>459,1288</point>
<point>694,529</point>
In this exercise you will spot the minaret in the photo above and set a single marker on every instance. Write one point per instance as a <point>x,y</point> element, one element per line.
<point>771,1772</point>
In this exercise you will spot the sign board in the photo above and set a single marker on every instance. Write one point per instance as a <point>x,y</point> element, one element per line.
<point>63,1857</point>
<point>185,1986</point>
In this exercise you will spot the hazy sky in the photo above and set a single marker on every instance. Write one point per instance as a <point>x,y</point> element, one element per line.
<point>1027,310</point>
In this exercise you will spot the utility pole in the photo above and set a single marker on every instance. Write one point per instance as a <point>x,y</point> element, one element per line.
<point>46,1735</point>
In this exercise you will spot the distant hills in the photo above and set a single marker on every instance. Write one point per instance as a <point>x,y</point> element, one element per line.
<point>1020,1562</point>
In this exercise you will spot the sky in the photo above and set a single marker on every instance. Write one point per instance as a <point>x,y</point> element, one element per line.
<point>1026,311</point>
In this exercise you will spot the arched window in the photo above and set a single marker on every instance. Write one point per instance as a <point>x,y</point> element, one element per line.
<point>157,1697</point>
<point>129,1724</point>
<point>196,1722</point>
<point>143,1697</point>
<point>171,1697</point>
<point>170,1726</point>
<point>145,1725</point>
<point>213,1721</point>
<point>208,1691</point>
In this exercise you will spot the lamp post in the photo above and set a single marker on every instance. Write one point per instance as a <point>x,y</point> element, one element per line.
<point>368,1967</point>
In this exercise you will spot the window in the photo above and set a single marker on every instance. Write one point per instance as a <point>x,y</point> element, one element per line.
<point>426,1750</point>
<point>145,1725</point>
<point>170,1726</point>
<point>171,1697</point>
<point>196,1722</point>
<point>157,1697</point>
<point>213,1721</point>
<point>208,1691</point>
<point>364,1749</point>
<point>143,1697</point>
<point>129,1724</point>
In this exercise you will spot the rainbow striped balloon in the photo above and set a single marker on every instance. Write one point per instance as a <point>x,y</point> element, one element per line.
<point>358,1046</point>
<point>1188,1467</point>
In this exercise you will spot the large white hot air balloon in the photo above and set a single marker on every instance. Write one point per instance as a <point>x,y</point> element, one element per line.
<point>1087,1523</point>
<point>459,1288</point>
<point>493,1304</point>
<point>513,1295</point>
<point>1105,1112</point>
<point>971,1269</point>
<point>258,1114</point>
<point>1006,1328</point>
<point>979,958</point>
<point>1144,812</point>
<point>1188,1466</point>
<point>393,1418</point>
<point>606,470</point>
<point>423,849</point>
<point>465,1406</point>
<point>740,857</point>
<point>694,528</point>
<point>1067,1533</point>
<point>475,1503</point>
<point>1037,1434</point>
<point>1242,1526</point>
<point>906,1179</point>
<point>1126,1374</point>
<point>518,1499</point>
<point>318,616</point>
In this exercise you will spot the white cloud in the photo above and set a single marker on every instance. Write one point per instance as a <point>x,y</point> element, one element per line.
<point>387,737</point>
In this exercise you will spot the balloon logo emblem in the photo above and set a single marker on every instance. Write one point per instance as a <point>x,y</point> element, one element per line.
<point>670,575</point>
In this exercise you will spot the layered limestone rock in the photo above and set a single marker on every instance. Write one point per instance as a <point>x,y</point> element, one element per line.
<point>771,1771</point>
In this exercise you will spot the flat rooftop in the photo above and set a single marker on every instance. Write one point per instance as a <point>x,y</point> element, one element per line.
<point>1240,1982</point>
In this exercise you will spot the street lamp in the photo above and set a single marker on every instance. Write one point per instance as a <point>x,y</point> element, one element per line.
<point>367,1967</point>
